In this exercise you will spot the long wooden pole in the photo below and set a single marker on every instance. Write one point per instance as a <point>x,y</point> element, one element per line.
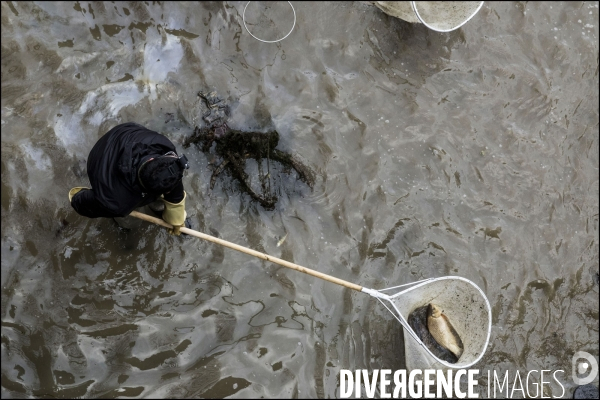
<point>251,252</point>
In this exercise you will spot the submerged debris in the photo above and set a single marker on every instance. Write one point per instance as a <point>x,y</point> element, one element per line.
<point>234,147</point>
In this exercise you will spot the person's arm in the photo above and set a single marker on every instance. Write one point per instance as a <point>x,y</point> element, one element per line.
<point>174,212</point>
<point>176,194</point>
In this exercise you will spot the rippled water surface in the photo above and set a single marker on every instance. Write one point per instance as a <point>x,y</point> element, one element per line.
<point>471,153</point>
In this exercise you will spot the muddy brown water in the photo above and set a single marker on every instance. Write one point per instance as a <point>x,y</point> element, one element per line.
<point>471,153</point>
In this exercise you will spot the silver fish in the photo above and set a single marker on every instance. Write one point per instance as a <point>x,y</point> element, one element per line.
<point>282,240</point>
<point>442,330</point>
<point>417,320</point>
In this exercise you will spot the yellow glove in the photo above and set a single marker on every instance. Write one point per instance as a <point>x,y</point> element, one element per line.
<point>75,190</point>
<point>175,214</point>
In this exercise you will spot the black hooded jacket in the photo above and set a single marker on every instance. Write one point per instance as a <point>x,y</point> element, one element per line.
<point>112,168</point>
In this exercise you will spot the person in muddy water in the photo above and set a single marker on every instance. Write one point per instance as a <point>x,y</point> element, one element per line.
<point>130,167</point>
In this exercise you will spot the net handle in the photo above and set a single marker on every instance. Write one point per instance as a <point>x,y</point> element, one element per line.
<point>248,251</point>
